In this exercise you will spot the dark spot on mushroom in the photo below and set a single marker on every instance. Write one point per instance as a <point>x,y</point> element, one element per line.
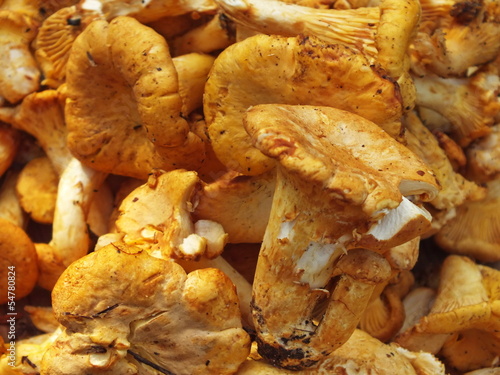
<point>153,365</point>
<point>279,356</point>
<point>91,59</point>
<point>74,21</point>
<point>26,360</point>
<point>135,199</point>
<point>207,362</point>
<point>420,173</point>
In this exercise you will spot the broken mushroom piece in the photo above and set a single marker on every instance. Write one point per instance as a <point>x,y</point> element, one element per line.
<point>303,71</point>
<point>19,272</point>
<point>124,108</point>
<point>157,216</point>
<point>340,185</point>
<point>155,319</point>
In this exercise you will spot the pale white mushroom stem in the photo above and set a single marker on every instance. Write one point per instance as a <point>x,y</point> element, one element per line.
<point>70,237</point>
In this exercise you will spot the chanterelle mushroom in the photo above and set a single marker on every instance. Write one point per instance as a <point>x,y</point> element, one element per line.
<point>340,185</point>
<point>154,319</point>
<point>272,69</point>
<point>124,106</point>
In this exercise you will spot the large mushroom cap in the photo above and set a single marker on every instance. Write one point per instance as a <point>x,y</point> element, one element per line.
<point>273,69</point>
<point>124,108</point>
<point>334,139</point>
<point>154,318</point>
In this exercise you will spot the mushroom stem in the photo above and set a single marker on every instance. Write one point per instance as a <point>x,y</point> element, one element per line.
<point>70,238</point>
<point>302,250</point>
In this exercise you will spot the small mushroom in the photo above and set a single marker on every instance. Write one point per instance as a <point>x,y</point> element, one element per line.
<point>340,186</point>
<point>19,266</point>
<point>124,108</point>
<point>19,75</point>
<point>304,71</point>
<point>36,188</point>
<point>41,114</point>
<point>155,318</point>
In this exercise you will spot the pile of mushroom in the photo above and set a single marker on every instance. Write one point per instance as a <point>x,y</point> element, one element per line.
<point>250,187</point>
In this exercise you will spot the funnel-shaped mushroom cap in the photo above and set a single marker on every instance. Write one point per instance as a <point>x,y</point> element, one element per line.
<point>154,315</point>
<point>53,43</point>
<point>18,260</point>
<point>467,298</point>
<point>272,69</point>
<point>380,172</point>
<point>41,114</point>
<point>124,108</point>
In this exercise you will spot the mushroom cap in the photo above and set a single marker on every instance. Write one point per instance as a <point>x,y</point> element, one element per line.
<point>354,161</point>
<point>37,189</point>
<point>41,114</point>
<point>475,229</point>
<point>303,71</point>
<point>124,108</point>
<point>19,272</point>
<point>153,315</point>
<point>53,43</point>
